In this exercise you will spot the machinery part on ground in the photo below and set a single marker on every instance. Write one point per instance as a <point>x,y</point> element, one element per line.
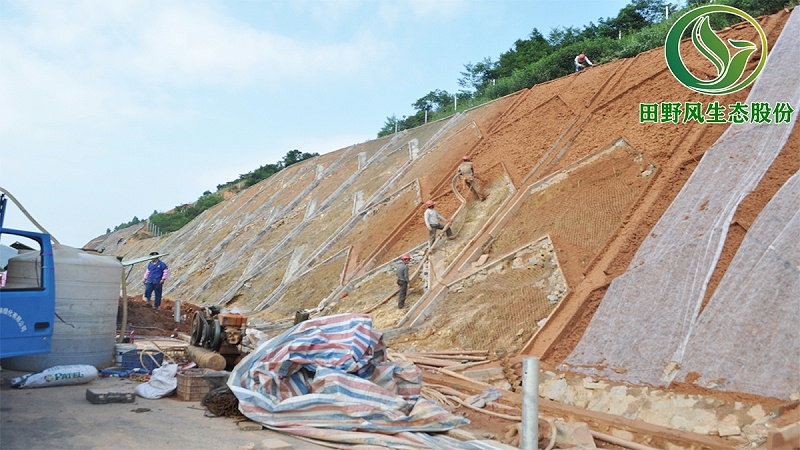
<point>215,335</point>
<point>213,330</point>
<point>198,324</point>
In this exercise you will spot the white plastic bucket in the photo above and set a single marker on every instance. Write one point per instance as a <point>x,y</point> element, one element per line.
<point>119,349</point>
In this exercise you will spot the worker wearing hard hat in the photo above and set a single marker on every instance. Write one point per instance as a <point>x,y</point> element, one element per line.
<point>154,277</point>
<point>433,221</point>
<point>581,62</point>
<point>467,172</point>
<point>402,280</point>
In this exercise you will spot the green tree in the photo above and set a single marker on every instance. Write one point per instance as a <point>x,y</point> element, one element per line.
<point>523,53</point>
<point>562,36</point>
<point>391,125</point>
<point>183,214</point>
<point>476,77</point>
<point>434,101</point>
<point>295,156</point>
<point>637,15</point>
<point>132,222</point>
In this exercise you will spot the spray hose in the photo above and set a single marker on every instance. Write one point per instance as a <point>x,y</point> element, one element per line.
<point>24,211</point>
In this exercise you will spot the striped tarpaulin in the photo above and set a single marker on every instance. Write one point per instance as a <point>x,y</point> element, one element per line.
<point>331,373</point>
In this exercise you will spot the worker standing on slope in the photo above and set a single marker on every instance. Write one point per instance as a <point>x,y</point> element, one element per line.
<point>402,280</point>
<point>154,277</point>
<point>433,221</point>
<point>581,62</point>
<point>467,172</point>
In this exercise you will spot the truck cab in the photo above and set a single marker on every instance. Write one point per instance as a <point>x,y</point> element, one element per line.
<point>27,290</point>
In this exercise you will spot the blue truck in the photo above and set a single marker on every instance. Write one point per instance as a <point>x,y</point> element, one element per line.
<point>27,302</point>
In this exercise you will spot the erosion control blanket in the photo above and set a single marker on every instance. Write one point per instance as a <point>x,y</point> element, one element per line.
<point>649,325</point>
<point>332,373</point>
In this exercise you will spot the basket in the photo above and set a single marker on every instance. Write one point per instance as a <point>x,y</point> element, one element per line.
<point>193,384</point>
<point>177,354</point>
<point>134,358</point>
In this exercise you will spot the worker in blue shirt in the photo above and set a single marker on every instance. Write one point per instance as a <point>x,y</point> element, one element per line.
<point>154,277</point>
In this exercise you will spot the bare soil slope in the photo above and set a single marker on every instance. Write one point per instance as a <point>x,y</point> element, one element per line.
<point>575,183</point>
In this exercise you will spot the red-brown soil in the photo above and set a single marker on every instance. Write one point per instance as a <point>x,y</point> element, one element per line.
<point>568,159</point>
<point>146,321</point>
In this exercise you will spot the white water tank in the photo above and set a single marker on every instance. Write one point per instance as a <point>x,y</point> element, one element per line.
<point>87,298</point>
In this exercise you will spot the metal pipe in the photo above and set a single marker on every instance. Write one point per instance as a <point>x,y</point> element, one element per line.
<point>177,311</point>
<point>123,327</point>
<point>530,403</point>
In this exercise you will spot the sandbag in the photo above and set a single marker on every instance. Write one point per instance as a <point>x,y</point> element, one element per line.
<point>57,376</point>
<point>162,382</point>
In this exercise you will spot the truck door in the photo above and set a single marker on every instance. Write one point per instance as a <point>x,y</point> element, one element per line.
<point>27,292</point>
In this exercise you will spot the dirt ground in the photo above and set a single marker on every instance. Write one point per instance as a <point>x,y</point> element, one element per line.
<point>61,417</point>
<point>147,322</point>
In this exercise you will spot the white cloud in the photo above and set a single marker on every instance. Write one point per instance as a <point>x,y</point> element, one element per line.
<point>109,65</point>
<point>35,91</point>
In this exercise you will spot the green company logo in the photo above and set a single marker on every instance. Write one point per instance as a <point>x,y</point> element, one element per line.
<point>730,67</point>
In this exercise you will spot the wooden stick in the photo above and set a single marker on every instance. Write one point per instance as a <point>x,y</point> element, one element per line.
<point>444,371</point>
<point>429,361</point>
<point>450,357</point>
<point>465,365</point>
<point>485,411</point>
<point>446,390</point>
<point>456,352</point>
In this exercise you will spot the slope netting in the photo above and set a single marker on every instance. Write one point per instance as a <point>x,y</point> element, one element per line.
<point>583,208</point>
<point>648,319</point>
<point>498,309</point>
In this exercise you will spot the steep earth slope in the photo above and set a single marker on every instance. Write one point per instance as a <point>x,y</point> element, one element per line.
<point>576,185</point>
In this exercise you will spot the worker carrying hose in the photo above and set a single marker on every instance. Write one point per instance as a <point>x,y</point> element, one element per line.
<point>433,221</point>
<point>402,280</point>
<point>467,171</point>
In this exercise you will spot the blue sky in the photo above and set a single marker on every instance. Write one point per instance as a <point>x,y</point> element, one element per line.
<point>114,109</point>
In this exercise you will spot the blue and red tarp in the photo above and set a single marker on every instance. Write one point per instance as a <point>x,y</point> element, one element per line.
<point>331,373</point>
